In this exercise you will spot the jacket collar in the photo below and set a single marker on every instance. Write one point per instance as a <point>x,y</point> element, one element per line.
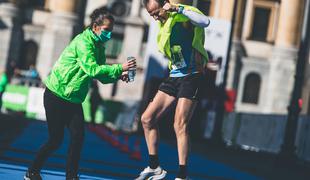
<point>90,33</point>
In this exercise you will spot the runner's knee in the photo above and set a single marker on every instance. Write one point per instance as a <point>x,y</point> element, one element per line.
<point>147,121</point>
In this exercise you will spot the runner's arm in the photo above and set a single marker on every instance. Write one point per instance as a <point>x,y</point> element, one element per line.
<point>196,18</point>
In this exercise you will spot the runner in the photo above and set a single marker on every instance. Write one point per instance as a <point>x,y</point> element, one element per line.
<point>67,86</point>
<point>181,39</point>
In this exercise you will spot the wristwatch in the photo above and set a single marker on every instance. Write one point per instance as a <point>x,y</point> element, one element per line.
<point>180,10</point>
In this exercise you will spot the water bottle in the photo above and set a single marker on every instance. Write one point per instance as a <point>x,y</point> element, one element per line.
<point>131,71</point>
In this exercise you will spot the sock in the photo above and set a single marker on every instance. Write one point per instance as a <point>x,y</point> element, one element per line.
<point>182,172</point>
<point>33,171</point>
<point>153,161</point>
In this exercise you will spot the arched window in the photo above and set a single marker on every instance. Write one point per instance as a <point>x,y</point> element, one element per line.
<point>251,88</point>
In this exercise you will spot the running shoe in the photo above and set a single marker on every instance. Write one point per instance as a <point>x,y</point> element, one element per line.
<point>152,174</point>
<point>32,176</point>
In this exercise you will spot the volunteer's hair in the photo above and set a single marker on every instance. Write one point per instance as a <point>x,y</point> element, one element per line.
<point>99,15</point>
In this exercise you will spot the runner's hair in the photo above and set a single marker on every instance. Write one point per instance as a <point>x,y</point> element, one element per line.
<point>146,2</point>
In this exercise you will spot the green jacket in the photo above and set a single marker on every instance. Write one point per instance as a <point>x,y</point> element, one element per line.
<point>3,82</point>
<point>80,62</point>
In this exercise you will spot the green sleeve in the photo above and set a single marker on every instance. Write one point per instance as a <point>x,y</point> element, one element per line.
<point>3,80</point>
<point>87,61</point>
<point>107,80</point>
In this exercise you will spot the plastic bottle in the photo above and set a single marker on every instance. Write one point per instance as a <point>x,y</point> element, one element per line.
<point>131,71</point>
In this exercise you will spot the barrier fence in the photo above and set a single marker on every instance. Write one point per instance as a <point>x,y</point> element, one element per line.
<point>262,132</point>
<point>256,132</point>
<point>29,101</point>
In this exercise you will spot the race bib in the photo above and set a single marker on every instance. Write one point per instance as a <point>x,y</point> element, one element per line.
<point>178,61</point>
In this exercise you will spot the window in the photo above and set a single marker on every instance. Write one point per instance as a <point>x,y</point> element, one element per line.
<point>261,19</point>
<point>251,88</point>
<point>260,24</point>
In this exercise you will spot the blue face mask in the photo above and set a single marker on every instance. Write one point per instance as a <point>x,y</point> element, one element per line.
<point>105,36</point>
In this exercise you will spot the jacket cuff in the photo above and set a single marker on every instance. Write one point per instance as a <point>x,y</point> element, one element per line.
<point>118,70</point>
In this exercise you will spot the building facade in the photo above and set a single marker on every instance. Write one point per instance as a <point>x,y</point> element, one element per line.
<point>36,32</point>
<point>264,51</point>
<point>263,57</point>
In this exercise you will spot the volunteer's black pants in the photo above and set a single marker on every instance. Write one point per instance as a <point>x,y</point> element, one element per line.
<point>1,94</point>
<point>60,114</point>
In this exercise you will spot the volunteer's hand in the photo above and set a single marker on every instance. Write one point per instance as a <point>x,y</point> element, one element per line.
<point>125,77</point>
<point>129,64</point>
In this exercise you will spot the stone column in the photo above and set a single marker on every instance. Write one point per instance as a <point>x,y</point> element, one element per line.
<point>212,8</point>
<point>47,4</point>
<point>10,34</point>
<point>133,34</point>
<point>289,23</point>
<point>135,8</point>
<point>239,19</point>
<point>226,10</point>
<point>132,46</point>
<point>283,60</point>
<point>58,33</point>
<point>67,6</point>
<point>306,87</point>
<point>223,9</point>
<point>237,51</point>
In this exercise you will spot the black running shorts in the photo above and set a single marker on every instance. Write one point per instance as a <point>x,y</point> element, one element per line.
<point>189,86</point>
